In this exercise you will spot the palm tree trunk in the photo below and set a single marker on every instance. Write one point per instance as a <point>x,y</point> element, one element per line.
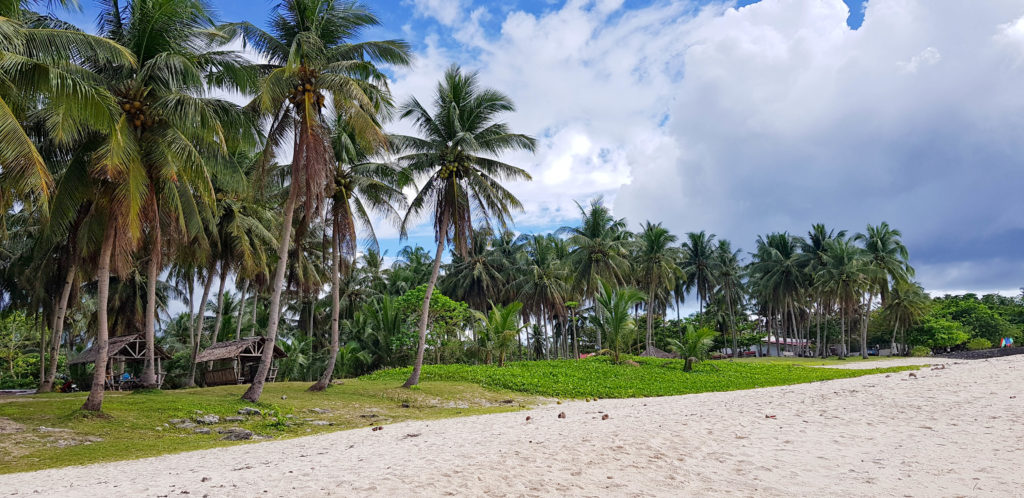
<point>220,301</point>
<point>198,324</point>
<point>425,311</point>
<point>152,273</point>
<point>544,322</point>
<point>99,377</point>
<point>255,307</point>
<point>58,328</point>
<point>649,340</point>
<point>241,310</point>
<point>796,327</point>
<point>325,379</point>
<point>256,388</point>
<point>864,328</point>
<point>892,343</point>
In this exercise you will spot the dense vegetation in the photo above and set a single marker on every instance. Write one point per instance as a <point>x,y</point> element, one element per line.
<point>128,187</point>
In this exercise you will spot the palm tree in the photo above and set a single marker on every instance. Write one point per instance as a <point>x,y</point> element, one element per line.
<point>49,66</point>
<point>475,278</point>
<point>165,147</point>
<point>311,55</point>
<point>499,328</point>
<point>361,187</point>
<point>907,303</point>
<point>694,346</point>
<point>729,286</point>
<point>656,270</point>
<point>812,260</point>
<point>887,260</point>
<point>455,159</point>
<point>612,315</point>
<point>542,281</point>
<point>842,278</point>
<point>698,253</point>
<point>778,280</point>
<point>599,248</point>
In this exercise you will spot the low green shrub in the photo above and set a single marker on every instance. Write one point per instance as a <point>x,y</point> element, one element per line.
<point>599,376</point>
<point>919,351</point>
<point>978,343</point>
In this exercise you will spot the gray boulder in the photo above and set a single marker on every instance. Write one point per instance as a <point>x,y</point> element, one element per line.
<point>208,419</point>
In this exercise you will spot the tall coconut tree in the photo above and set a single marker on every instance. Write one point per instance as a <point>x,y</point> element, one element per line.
<point>456,161</point>
<point>314,61</point>
<point>158,158</point>
<point>656,259</point>
<point>812,259</point>
<point>542,283</point>
<point>697,263</point>
<point>907,303</point>
<point>729,286</point>
<point>600,245</point>
<point>843,278</point>
<point>887,260</point>
<point>362,189</point>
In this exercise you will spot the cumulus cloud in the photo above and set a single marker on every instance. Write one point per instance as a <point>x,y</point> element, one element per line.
<point>769,117</point>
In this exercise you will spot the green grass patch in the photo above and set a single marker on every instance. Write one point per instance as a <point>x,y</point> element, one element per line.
<point>794,360</point>
<point>599,377</point>
<point>135,425</point>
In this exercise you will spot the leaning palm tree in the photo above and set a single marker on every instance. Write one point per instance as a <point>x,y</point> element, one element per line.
<point>456,160</point>
<point>312,55</point>
<point>887,260</point>
<point>657,270</point>
<point>361,187</point>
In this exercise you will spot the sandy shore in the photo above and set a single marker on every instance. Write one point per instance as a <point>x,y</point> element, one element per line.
<point>957,431</point>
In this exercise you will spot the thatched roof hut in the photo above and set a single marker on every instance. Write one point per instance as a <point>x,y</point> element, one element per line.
<point>229,350</point>
<point>121,352</point>
<point>245,355</point>
<point>127,347</point>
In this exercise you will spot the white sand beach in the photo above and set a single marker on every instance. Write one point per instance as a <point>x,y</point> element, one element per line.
<point>956,431</point>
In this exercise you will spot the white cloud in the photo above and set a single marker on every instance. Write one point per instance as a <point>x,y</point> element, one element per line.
<point>768,117</point>
<point>444,11</point>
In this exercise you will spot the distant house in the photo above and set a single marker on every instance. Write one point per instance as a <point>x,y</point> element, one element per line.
<point>772,344</point>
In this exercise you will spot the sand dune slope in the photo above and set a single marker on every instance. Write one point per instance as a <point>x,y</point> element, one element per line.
<point>954,431</point>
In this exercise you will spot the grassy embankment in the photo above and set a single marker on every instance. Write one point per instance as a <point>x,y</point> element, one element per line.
<point>136,425</point>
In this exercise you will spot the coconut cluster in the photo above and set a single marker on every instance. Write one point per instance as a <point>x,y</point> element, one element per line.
<point>138,114</point>
<point>453,168</point>
<point>307,88</point>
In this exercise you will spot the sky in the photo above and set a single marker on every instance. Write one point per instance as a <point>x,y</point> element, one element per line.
<point>742,118</point>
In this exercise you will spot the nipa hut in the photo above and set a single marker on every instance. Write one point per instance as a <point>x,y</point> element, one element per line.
<point>126,357</point>
<point>244,356</point>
